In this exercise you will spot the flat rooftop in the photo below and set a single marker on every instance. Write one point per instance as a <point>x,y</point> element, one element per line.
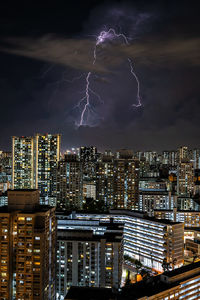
<point>121,212</point>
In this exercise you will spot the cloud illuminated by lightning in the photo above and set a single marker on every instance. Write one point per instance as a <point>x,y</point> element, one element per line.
<point>87,109</point>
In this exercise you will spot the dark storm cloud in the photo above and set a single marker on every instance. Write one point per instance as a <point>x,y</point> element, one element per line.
<point>78,54</point>
<point>37,67</point>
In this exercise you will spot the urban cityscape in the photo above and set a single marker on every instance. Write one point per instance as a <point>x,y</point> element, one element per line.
<point>115,221</point>
<point>99,150</point>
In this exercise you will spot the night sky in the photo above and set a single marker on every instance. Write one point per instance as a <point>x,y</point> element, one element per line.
<point>47,50</point>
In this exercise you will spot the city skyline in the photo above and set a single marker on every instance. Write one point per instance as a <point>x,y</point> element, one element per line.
<point>99,150</point>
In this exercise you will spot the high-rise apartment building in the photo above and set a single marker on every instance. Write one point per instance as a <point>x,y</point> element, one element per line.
<point>27,247</point>
<point>170,158</point>
<point>69,183</point>
<point>126,180</point>
<point>151,157</point>
<point>185,178</point>
<point>183,153</point>
<point>146,239</point>
<point>88,157</point>
<point>155,193</point>
<point>190,218</point>
<point>89,189</point>
<point>86,258</point>
<point>46,158</point>
<point>196,158</point>
<point>6,162</point>
<point>34,164</point>
<point>105,180</point>
<point>22,163</point>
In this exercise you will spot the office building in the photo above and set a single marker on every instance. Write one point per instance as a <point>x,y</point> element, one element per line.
<point>27,247</point>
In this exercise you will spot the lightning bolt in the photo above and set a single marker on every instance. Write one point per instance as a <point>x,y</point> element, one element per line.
<point>139,103</point>
<point>100,39</point>
<point>87,97</point>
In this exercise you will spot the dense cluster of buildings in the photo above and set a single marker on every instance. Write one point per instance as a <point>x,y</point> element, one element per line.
<point>82,218</point>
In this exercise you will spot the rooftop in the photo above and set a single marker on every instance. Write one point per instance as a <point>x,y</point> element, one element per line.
<point>111,213</point>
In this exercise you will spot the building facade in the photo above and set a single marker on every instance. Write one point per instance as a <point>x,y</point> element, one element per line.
<point>22,163</point>
<point>185,178</point>
<point>69,183</point>
<point>34,164</point>
<point>146,239</point>
<point>85,258</point>
<point>46,158</point>
<point>27,248</point>
<point>126,181</point>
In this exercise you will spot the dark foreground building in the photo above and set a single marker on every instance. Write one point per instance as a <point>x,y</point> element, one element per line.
<point>182,283</point>
<point>27,247</point>
<point>90,293</point>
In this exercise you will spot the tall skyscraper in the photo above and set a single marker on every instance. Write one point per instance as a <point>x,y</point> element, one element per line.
<point>126,180</point>
<point>105,181</point>
<point>27,247</point>
<point>22,163</point>
<point>46,156</point>
<point>183,153</point>
<point>35,161</point>
<point>88,156</point>
<point>170,158</point>
<point>185,178</point>
<point>117,180</point>
<point>196,158</point>
<point>69,183</point>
